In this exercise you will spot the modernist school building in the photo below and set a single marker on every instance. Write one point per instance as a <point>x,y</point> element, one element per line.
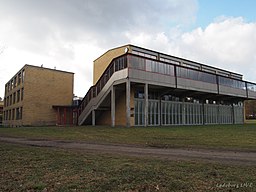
<point>133,86</point>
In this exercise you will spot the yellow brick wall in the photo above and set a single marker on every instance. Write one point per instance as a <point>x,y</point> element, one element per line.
<point>43,88</point>
<point>120,111</point>
<point>104,118</point>
<point>100,64</point>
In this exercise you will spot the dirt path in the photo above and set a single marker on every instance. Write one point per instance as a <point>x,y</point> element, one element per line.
<point>221,156</point>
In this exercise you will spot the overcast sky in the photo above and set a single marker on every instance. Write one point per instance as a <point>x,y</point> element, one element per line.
<point>70,34</point>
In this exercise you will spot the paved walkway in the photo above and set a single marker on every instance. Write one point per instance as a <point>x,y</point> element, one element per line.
<point>221,156</point>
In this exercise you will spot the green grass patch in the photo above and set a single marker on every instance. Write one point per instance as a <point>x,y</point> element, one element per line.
<point>25,168</point>
<point>211,136</point>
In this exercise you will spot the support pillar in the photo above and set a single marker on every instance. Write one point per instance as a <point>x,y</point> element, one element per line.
<point>93,117</point>
<point>128,101</point>
<point>65,116</point>
<point>233,114</point>
<point>203,113</point>
<point>183,112</point>
<point>113,106</point>
<point>146,105</point>
<point>58,116</point>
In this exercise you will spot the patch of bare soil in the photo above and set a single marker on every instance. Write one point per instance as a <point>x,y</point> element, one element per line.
<point>211,155</point>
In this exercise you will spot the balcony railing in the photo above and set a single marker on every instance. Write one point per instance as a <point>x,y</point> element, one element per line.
<point>116,65</point>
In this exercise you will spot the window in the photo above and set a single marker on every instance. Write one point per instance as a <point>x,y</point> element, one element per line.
<point>22,94</point>
<point>23,75</point>
<point>6,115</point>
<point>18,95</point>
<point>144,54</point>
<point>11,84</point>
<point>17,113</point>
<point>231,83</point>
<point>251,87</point>
<point>13,114</point>
<point>19,78</point>
<point>14,97</point>
<point>10,113</point>
<point>14,82</point>
<point>10,99</point>
<point>7,101</point>
<point>196,75</point>
<point>137,62</point>
<point>170,61</point>
<point>151,65</point>
<point>21,112</point>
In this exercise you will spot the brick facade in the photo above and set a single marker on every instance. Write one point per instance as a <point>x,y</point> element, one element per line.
<point>31,93</point>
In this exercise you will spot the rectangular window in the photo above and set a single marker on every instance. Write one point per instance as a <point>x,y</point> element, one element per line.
<point>6,88</point>
<point>225,81</point>
<point>23,75</point>
<point>10,113</point>
<point>14,97</point>
<point>11,84</point>
<point>22,94</point>
<point>17,113</point>
<point>13,114</point>
<point>6,115</point>
<point>18,95</point>
<point>14,82</point>
<point>21,112</point>
<point>7,101</point>
<point>10,99</point>
<point>19,78</point>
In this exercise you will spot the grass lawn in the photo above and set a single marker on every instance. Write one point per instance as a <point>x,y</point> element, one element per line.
<point>25,168</point>
<point>211,136</point>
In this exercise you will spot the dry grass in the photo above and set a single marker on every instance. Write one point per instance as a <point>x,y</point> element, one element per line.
<point>26,168</point>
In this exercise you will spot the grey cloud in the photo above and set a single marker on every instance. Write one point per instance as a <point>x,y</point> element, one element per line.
<point>94,19</point>
<point>50,29</point>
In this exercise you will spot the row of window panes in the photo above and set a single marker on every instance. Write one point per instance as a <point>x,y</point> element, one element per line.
<point>15,81</point>
<point>144,54</point>
<point>170,61</point>
<point>14,98</point>
<point>232,83</point>
<point>150,65</point>
<point>158,67</point>
<point>193,66</point>
<point>195,75</point>
<point>13,114</point>
<point>251,87</point>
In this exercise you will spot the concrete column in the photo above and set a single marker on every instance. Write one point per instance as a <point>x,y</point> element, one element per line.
<point>65,116</point>
<point>128,101</point>
<point>218,115</point>
<point>146,104</point>
<point>93,117</point>
<point>58,116</point>
<point>233,114</point>
<point>183,112</point>
<point>113,106</point>
<point>203,112</point>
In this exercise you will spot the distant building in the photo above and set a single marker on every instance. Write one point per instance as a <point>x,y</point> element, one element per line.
<point>32,93</point>
<point>134,86</point>
<point>1,112</point>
